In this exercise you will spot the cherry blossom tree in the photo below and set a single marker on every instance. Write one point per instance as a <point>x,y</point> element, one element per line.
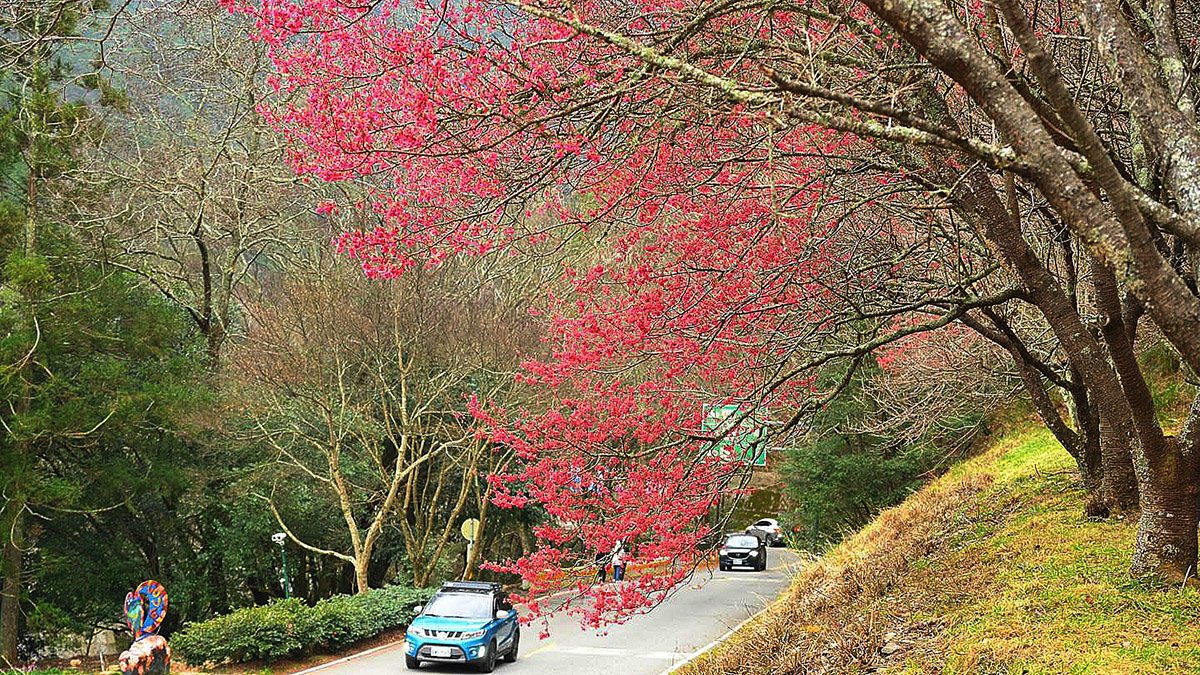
<point>777,186</point>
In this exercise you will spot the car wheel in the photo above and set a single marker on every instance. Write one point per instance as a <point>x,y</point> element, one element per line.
<point>488,664</point>
<point>516,644</point>
<point>762,566</point>
<point>722,567</point>
<point>411,662</point>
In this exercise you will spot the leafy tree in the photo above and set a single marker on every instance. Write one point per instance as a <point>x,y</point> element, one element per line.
<point>91,453</point>
<point>40,128</point>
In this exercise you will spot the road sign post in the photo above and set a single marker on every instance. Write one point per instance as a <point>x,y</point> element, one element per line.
<point>280,539</point>
<point>469,529</point>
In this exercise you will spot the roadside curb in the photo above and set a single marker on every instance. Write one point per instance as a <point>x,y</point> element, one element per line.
<point>352,657</point>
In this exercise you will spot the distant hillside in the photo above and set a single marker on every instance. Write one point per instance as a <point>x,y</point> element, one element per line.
<point>989,569</point>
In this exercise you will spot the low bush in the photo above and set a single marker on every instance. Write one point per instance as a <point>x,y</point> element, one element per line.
<point>290,628</point>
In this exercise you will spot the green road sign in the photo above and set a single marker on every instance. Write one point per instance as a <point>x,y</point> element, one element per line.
<point>746,442</point>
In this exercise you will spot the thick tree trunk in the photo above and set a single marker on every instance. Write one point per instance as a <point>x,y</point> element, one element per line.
<point>1091,476</point>
<point>1118,489</point>
<point>12,564</point>
<point>1102,394</point>
<point>1166,538</point>
<point>421,573</point>
<point>525,534</point>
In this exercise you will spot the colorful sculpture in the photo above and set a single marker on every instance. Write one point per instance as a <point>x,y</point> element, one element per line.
<point>145,609</point>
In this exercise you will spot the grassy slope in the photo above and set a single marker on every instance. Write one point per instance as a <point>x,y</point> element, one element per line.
<point>989,569</point>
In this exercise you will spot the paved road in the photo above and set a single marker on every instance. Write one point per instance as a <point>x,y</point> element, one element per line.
<point>646,645</point>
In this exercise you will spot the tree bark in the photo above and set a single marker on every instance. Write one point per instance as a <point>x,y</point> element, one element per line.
<point>362,574</point>
<point>1120,240</point>
<point>1096,385</point>
<point>1118,489</point>
<point>13,567</point>
<point>1166,538</point>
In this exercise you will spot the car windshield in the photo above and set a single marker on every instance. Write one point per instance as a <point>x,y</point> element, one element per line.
<point>742,541</point>
<point>763,523</point>
<point>460,605</point>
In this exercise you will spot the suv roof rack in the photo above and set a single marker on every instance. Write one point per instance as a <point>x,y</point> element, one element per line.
<point>471,586</point>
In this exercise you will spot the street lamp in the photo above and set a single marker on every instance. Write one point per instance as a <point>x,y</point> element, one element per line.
<point>281,539</point>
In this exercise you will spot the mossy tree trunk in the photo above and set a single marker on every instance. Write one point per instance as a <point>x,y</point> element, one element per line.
<point>1166,539</point>
<point>12,564</point>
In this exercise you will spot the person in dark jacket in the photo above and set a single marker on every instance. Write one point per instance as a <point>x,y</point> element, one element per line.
<point>601,567</point>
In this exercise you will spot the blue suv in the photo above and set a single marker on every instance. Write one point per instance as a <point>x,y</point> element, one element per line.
<point>465,622</point>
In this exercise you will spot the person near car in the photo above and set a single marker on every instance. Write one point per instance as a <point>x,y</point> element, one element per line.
<point>601,567</point>
<point>618,560</point>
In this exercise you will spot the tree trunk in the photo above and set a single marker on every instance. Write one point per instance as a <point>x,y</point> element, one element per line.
<point>1118,490</point>
<point>10,594</point>
<point>1166,538</point>
<point>1091,476</point>
<point>362,574</point>
<point>525,533</point>
<point>1102,394</point>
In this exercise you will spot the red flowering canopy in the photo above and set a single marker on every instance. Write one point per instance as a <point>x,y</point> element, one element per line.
<point>702,252</point>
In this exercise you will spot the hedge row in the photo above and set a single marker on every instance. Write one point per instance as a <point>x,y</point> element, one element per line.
<point>289,627</point>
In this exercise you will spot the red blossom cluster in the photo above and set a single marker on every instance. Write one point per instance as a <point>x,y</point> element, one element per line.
<point>479,129</point>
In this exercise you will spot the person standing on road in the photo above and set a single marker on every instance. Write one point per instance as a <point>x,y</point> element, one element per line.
<point>618,560</point>
<point>601,567</point>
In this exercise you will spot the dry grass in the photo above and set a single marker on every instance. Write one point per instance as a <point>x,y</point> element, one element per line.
<point>990,569</point>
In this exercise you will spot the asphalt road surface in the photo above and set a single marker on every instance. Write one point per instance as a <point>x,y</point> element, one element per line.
<point>693,617</point>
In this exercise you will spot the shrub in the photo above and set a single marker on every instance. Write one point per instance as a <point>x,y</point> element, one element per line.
<point>288,627</point>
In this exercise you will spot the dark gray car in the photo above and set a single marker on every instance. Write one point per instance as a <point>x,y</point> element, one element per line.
<point>743,550</point>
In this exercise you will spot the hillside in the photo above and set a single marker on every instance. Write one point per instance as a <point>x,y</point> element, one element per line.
<point>989,569</point>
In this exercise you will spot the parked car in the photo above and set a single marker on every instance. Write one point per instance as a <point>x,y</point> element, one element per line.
<point>467,622</point>
<point>743,550</point>
<point>774,533</point>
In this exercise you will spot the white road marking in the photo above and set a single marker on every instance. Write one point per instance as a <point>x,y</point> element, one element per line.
<point>666,656</point>
<point>616,651</point>
<point>688,657</point>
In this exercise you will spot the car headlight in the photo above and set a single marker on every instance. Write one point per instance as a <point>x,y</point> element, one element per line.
<point>473,634</point>
<point>724,551</point>
<point>753,553</point>
<point>416,632</point>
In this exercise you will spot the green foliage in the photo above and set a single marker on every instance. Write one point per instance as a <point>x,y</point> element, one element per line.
<point>102,374</point>
<point>267,633</point>
<point>842,476</point>
<point>289,628</point>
